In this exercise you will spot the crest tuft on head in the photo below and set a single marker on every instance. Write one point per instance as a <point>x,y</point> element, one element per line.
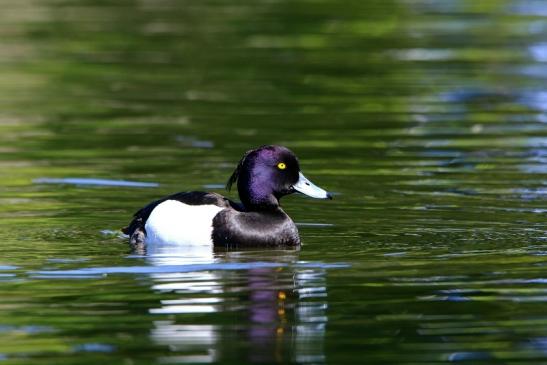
<point>235,174</point>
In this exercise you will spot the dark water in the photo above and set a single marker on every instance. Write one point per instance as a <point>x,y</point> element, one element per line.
<point>426,118</point>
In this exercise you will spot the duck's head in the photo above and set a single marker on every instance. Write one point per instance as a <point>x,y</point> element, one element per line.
<point>267,173</point>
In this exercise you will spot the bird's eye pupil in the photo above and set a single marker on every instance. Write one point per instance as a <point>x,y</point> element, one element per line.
<point>281,166</point>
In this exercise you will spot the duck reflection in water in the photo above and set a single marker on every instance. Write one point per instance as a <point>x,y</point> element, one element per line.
<point>270,310</point>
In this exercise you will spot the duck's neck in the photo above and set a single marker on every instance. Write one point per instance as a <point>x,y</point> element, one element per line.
<point>258,198</point>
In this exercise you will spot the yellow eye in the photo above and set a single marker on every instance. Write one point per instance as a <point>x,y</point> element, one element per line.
<point>281,166</point>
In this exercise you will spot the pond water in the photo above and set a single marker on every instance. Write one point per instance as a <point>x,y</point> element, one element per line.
<point>428,120</point>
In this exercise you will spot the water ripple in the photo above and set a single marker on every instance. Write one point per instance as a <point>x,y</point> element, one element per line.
<point>97,182</point>
<point>173,269</point>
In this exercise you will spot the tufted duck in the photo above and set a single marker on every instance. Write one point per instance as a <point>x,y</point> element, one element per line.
<point>263,176</point>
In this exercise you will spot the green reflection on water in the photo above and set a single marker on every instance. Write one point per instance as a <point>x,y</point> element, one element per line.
<point>426,118</point>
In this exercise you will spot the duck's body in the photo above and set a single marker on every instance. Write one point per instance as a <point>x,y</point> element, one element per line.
<point>263,176</point>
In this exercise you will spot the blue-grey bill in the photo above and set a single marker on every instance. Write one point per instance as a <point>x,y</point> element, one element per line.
<point>308,188</point>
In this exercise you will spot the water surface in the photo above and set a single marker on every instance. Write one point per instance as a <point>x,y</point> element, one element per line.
<point>426,119</point>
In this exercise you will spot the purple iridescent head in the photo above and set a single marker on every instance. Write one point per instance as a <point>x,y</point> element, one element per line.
<point>266,174</point>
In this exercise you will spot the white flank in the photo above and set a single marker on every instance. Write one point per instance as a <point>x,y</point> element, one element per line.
<point>176,223</point>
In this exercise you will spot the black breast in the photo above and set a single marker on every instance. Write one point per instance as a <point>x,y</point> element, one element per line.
<point>254,229</point>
